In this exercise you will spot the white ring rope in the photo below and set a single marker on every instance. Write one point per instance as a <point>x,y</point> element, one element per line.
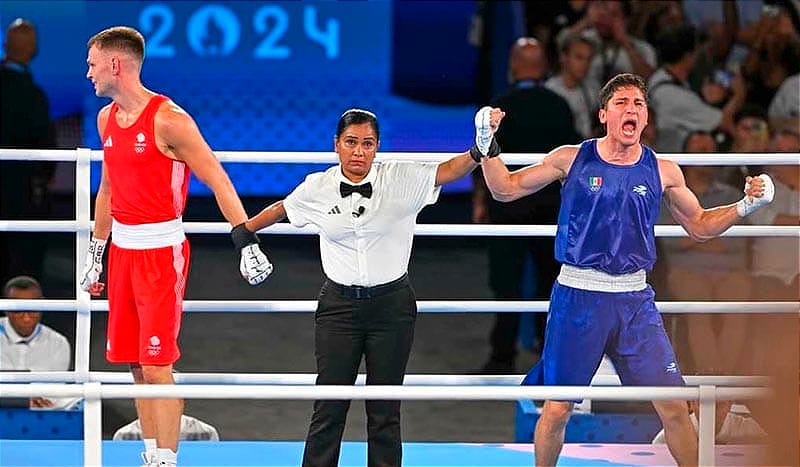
<point>307,392</point>
<point>425,230</point>
<point>94,386</point>
<point>93,393</point>
<point>424,306</point>
<point>297,379</point>
<point>307,157</point>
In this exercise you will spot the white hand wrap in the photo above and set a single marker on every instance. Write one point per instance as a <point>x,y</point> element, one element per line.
<point>750,204</point>
<point>254,265</point>
<point>483,130</point>
<point>94,264</point>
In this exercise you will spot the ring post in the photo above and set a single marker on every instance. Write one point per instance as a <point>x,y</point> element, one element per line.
<point>707,431</point>
<point>83,320</point>
<point>92,425</point>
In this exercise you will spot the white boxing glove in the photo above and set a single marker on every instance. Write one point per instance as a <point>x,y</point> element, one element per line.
<point>90,277</point>
<point>254,265</point>
<point>750,204</point>
<point>483,130</point>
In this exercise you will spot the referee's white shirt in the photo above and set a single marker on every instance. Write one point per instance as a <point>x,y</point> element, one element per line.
<point>43,350</point>
<point>368,246</point>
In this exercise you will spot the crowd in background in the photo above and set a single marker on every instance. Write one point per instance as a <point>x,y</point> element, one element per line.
<point>723,77</point>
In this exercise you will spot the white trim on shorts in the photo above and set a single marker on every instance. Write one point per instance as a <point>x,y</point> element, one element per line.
<point>147,236</point>
<point>599,281</point>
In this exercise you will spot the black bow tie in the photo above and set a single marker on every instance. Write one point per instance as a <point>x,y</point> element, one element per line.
<point>347,189</point>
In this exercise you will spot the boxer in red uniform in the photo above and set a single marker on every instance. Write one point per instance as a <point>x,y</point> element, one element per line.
<point>150,145</point>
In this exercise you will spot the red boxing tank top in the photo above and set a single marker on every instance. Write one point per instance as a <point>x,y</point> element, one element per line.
<point>146,185</point>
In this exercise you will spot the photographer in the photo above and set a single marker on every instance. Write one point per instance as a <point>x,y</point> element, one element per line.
<point>680,110</point>
<point>774,53</point>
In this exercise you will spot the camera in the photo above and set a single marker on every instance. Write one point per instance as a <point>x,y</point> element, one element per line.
<point>723,77</point>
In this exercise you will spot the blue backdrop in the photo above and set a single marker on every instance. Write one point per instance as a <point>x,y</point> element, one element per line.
<point>273,76</point>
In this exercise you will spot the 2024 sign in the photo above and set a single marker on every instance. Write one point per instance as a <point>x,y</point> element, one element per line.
<point>215,30</point>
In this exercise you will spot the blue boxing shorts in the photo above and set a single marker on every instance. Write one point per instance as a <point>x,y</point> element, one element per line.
<point>582,325</point>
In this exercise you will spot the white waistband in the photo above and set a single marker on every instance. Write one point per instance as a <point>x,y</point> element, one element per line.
<point>146,236</point>
<point>599,281</point>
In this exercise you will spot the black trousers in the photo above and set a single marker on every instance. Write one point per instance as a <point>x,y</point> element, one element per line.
<point>351,322</point>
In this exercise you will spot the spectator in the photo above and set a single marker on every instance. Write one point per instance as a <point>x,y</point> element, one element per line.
<point>680,110</point>
<point>775,259</point>
<point>26,117</point>
<point>700,142</point>
<point>571,84</point>
<point>774,266</point>
<point>28,345</point>
<point>704,14</point>
<point>537,120</point>
<point>651,18</point>
<point>750,135</point>
<point>785,106</point>
<point>773,56</point>
<point>25,124</point>
<point>717,24</point>
<point>713,270</point>
<point>750,131</point>
<point>545,20</point>
<point>191,429</point>
<point>606,24</point>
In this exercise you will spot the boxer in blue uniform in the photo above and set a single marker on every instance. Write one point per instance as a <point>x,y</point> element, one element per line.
<point>610,197</point>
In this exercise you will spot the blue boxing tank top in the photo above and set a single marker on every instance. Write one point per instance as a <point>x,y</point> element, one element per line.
<point>608,213</point>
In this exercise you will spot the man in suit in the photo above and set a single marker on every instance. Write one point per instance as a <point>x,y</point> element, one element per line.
<point>24,124</point>
<point>537,120</point>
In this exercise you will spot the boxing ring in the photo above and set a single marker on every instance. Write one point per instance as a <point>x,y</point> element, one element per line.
<point>95,386</point>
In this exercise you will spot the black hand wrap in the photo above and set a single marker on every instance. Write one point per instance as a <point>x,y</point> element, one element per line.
<point>475,153</point>
<point>242,237</point>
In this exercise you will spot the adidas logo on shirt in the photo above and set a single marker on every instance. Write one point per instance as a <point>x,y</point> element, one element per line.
<point>108,143</point>
<point>335,210</point>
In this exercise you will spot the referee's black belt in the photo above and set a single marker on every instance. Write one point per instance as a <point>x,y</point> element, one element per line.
<point>359,292</point>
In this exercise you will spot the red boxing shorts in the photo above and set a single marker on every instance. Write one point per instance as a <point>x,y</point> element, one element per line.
<point>145,300</point>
